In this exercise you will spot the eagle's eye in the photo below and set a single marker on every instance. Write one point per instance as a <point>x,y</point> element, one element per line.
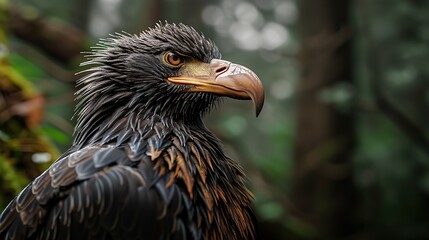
<point>173,59</point>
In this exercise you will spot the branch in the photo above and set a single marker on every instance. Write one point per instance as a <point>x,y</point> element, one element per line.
<point>51,67</point>
<point>58,39</point>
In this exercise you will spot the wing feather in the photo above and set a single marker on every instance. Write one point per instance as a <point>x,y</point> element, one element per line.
<point>88,194</point>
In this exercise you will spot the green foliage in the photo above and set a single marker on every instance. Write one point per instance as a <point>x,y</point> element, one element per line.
<point>57,113</point>
<point>13,180</point>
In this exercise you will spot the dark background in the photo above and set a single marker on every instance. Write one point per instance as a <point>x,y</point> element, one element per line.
<point>340,150</point>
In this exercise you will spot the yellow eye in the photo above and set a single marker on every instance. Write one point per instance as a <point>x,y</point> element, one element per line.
<point>173,59</point>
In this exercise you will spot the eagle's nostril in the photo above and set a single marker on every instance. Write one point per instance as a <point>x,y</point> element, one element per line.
<point>221,69</point>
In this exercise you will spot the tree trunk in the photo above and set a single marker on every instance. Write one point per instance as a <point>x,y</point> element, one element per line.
<point>154,12</point>
<point>323,190</point>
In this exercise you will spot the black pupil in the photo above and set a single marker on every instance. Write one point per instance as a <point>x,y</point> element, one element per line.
<point>174,57</point>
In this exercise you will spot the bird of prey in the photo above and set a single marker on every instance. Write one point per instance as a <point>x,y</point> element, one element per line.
<point>143,165</point>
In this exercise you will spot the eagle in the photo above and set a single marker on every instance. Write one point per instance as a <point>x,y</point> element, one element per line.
<point>143,165</point>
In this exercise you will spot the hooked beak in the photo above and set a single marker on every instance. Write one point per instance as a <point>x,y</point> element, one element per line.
<point>222,78</point>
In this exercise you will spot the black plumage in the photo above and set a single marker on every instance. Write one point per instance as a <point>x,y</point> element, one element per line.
<point>143,165</point>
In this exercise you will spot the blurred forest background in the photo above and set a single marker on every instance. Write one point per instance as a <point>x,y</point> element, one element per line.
<point>340,150</point>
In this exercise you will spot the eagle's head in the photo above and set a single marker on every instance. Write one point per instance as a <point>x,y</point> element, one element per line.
<point>170,71</point>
